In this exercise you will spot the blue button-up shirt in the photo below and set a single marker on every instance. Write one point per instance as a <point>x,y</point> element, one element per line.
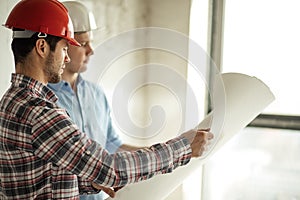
<point>90,111</point>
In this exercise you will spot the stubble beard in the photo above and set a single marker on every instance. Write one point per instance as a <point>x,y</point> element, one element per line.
<point>51,71</point>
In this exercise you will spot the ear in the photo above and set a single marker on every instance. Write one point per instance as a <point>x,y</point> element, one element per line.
<point>42,47</point>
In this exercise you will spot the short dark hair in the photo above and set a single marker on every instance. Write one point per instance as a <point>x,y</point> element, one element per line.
<point>21,47</point>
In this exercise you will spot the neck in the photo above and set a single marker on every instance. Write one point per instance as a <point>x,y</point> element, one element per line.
<point>31,69</point>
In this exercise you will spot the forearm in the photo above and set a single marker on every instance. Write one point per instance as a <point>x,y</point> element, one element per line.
<point>130,167</point>
<point>85,187</point>
<point>81,156</point>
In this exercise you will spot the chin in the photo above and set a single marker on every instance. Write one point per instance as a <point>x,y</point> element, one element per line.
<point>82,70</point>
<point>55,79</point>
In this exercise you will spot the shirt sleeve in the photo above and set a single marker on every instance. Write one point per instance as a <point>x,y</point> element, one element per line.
<point>85,187</point>
<point>113,141</point>
<point>56,139</point>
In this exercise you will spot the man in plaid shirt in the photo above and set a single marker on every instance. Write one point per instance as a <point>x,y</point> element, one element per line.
<point>43,155</point>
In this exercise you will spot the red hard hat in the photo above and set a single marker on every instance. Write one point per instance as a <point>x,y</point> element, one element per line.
<point>45,16</point>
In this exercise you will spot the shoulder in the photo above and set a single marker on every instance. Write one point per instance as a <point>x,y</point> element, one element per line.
<point>92,86</point>
<point>56,86</point>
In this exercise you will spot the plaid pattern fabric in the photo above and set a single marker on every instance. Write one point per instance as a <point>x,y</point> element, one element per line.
<point>43,154</point>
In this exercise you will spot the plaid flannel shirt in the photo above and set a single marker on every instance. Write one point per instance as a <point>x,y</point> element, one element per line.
<point>43,155</point>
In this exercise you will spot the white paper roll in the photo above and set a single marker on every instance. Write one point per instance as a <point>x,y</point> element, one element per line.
<point>238,99</point>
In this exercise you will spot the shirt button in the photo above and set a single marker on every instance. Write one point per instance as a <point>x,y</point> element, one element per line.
<point>88,152</point>
<point>76,143</point>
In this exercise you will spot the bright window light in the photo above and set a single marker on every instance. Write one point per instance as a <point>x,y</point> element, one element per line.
<point>261,38</point>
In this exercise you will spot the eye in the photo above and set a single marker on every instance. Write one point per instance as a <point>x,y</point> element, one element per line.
<point>84,44</point>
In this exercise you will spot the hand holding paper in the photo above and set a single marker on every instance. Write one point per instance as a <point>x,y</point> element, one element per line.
<point>108,190</point>
<point>198,139</point>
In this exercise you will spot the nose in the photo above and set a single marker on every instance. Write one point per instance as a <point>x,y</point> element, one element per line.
<point>89,49</point>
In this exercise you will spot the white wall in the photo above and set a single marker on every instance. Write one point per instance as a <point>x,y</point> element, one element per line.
<point>117,17</point>
<point>6,57</point>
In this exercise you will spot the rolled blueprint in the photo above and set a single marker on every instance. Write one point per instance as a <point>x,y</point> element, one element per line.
<point>238,99</point>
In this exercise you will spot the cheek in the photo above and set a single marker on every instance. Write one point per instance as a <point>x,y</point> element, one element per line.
<point>60,56</point>
<point>77,56</point>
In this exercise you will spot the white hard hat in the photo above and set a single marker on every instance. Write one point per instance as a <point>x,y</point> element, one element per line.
<point>83,19</point>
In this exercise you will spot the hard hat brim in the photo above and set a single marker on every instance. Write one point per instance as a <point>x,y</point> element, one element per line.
<point>73,42</point>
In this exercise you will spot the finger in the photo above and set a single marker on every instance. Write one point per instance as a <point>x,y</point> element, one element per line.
<point>204,143</point>
<point>117,188</point>
<point>109,191</point>
<point>98,187</point>
<point>210,135</point>
<point>203,129</point>
<point>200,152</point>
<point>208,143</point>
<point>203,135</point>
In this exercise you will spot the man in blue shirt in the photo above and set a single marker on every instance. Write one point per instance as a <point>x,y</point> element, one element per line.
<point>85,101</point>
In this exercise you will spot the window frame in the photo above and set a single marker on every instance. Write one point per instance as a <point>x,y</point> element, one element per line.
<point>215,51</point>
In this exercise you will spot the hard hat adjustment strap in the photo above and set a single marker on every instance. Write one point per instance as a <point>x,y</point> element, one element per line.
<point>22,34</point>
<point>27,34</point>
<point>42,35</point>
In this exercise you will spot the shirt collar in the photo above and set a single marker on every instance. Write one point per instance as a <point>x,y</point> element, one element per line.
<point>79,79</point>
<point>58,86</point>
<point>20,80</point>
<point>64,85</point>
